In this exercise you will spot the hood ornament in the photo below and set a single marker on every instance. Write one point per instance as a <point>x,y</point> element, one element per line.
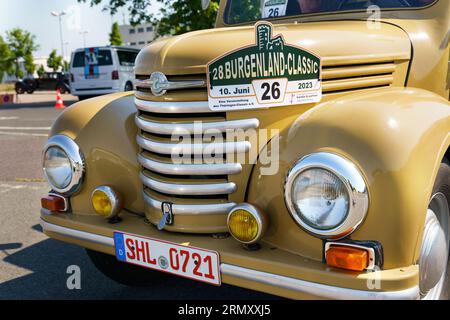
<point>159,84</point>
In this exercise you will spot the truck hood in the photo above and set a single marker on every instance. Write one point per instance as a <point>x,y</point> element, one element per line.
<point>335,42</point>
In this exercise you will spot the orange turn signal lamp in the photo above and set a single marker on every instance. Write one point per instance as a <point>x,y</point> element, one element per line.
<point>348,257</point>
<point>54,203</point>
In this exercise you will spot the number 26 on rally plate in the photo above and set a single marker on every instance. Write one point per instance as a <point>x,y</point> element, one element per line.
<point>270,90</point>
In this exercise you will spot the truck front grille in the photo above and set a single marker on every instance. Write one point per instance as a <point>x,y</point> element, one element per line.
<point>198,188</point>
<point>199,191</point>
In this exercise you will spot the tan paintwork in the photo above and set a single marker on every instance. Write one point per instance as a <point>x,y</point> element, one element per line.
<point>397,136</point>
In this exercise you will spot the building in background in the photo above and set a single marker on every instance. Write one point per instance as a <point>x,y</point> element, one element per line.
<point>138,36</point>
<point>41,61</point>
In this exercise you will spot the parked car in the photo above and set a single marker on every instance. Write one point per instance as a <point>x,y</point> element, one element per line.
<point>51,81</point>
<point>319,140</point>
<point>103,70</point>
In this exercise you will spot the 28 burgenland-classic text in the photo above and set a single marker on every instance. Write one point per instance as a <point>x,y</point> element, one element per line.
<point>268,74</point>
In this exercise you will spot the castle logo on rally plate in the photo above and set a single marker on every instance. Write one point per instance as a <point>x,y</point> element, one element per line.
<point>270,73</point>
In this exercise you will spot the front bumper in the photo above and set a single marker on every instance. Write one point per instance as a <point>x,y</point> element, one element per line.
<point>269,270</point>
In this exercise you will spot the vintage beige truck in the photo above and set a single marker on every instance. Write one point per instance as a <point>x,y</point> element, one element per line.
<point>300,148</point>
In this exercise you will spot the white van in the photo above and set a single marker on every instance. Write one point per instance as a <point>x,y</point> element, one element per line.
<point>102,70</point>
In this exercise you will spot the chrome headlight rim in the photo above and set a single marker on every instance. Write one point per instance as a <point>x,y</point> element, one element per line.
<point>353,181</point>
<point>76,159</point>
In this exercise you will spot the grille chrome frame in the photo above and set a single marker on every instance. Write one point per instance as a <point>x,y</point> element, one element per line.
<point>197,190</point>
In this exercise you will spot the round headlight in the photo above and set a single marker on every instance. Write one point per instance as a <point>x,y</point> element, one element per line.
<point>63,164</point>
<point>326,195</point>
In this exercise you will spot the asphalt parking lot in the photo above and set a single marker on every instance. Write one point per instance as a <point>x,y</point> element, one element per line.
<point>35,267</point>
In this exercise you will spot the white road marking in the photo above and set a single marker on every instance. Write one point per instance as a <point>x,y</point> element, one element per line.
<point>9,118</point>
<point>25,128</point>
<point>23,134</point>
<point>9,187</point>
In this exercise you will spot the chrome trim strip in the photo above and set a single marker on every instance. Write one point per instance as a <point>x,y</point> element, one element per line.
<point>316,289</point>
<point>66,200</point>
<point>199,127</point>
<point>159,84</point>
<point>192,209</point>
<point>188,189</point>
<point>172,107</point>
<point>190,169</point>
<point>193,148</point>
<point>76,234</point>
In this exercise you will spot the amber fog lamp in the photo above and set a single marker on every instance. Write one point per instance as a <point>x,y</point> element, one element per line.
<point>107,202</point>
<point>246,223</point>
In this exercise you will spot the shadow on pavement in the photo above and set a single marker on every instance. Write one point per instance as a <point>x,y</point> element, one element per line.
<point>37,227</point>
<point>10,246</point>
<point>48,261</point>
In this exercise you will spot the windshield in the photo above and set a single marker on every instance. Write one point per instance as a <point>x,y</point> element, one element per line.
<point>240,11</point>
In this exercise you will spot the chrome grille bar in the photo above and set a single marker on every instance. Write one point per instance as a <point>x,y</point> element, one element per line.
<point>192,149</point>
<point>188,189</point>
<point>172,107</point>
<point>192,209</point>
<point>168,128</point>
<point>189,169</point>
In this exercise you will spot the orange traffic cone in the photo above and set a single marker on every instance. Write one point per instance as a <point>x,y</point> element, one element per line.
<point>59,101</point>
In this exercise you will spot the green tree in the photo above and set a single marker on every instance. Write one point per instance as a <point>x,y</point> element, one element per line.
<point>114,37</point>
<point>6,61</point>
<point>41,71</point>
<point>29,64</point>
<point>251,11</point>
<point>22,45</point>
<point>174,17</point>
<point>180,16</point>
<point>54,61</point>
<point>66,65</point>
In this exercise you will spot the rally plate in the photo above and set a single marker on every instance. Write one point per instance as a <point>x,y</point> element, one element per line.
<point>185,261</point>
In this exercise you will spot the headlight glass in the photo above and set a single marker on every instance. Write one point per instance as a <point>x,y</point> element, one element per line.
<point>320,199</point>
<point>57,167</point>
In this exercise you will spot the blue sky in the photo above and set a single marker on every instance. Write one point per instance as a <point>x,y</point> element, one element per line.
<point>34,16</point>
